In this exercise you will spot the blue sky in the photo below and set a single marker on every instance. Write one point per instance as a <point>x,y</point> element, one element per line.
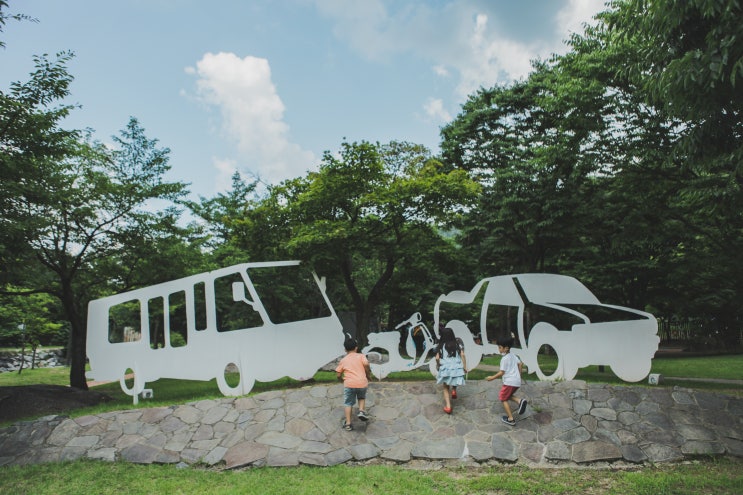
<point>264,87</point>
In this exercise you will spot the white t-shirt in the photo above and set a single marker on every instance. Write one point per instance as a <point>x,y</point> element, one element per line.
<point>509,365</point>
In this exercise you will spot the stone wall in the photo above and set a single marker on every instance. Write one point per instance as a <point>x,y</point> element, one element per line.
<point>11,361</point>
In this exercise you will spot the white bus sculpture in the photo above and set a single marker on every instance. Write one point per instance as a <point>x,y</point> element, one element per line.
<point>248,322</point>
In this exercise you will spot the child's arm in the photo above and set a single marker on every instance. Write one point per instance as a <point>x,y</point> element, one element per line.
<point>494,377</point>
<point>464,361</point>
<point>367,370</point>
<point>339,375</point>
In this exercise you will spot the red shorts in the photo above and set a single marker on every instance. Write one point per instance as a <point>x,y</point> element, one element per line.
<point>506,392</point>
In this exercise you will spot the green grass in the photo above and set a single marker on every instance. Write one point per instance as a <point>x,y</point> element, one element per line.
<point>38,376</point>
<point>726,367</point>
<point>709,476</point>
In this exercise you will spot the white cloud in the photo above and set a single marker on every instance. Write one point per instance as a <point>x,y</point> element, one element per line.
<point>226,168</point>
<point>490,59</point>
<point>458,38</point>
<point>252,115</point>
<point>440,70</point>
<point>434,108</point>
<point>365,24</point>
<point>576,13</point>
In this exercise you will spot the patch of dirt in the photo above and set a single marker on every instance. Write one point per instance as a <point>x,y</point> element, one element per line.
<point>30,401</point>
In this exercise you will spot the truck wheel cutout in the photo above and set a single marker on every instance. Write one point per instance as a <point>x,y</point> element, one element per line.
<point>633,373</point>
<point>549,366</point>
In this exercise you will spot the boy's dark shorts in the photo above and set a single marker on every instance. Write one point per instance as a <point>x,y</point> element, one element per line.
<point>350,395</point>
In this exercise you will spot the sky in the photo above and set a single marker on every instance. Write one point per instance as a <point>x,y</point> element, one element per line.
<point>265,87</point>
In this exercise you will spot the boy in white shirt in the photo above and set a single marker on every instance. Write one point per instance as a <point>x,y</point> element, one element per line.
<point>510,370</point>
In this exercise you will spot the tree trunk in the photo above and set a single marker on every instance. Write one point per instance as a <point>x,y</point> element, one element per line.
<point>78,336</point>
<point>78,356</point>
<point>363,320</point>
<point>365,307</point>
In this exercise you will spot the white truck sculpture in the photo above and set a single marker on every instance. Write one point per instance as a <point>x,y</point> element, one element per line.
<point>540,309</point>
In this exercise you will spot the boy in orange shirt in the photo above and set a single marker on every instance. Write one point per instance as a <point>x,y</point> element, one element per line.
<point>355,372</point>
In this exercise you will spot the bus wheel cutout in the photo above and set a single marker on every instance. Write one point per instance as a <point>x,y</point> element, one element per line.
<point>130,383</point>
<point>232,382</point>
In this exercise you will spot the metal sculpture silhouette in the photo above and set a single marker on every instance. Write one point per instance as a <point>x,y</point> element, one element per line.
<point>543,312</point>
<point>248,322</point>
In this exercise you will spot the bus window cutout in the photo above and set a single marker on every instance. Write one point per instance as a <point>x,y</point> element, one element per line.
<point>248,322</point>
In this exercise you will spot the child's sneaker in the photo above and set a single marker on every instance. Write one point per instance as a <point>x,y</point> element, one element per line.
<point>522,406</point>
<point>347,426</point>
<point>509,422</point>
<point>363,416</point>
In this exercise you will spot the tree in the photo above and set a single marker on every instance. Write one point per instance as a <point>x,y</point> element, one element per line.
<point>224,219</point>
<point>14,17</point>
<point>29,319</point>
<point>629,226</point>
<point>69,204</point>
<point>688,64</point>
<point>96,206</point>
<point>619,162</point>
<point>366,213</point>
<point>534,155</point>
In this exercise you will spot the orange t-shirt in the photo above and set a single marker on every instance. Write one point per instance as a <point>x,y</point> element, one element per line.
<point>353,368</point>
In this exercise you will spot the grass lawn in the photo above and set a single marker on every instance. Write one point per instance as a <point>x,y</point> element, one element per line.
<point>704,475</point>
<point>725,367</point>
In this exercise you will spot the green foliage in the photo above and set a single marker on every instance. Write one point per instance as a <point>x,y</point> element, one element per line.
<point>619,163</point>
<point>29,320</point>
<point>368,219</point>
<point>72,210</point>
<point>223,213</point>
<point>688,67</point>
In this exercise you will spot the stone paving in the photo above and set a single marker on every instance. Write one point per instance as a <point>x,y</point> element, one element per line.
<point>567,423</point>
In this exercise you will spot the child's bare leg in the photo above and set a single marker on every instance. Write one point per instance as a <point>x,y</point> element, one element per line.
<point>348,415</point>
<point>507,408</point>
<point>447,397</point>
<point>362,403</point>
